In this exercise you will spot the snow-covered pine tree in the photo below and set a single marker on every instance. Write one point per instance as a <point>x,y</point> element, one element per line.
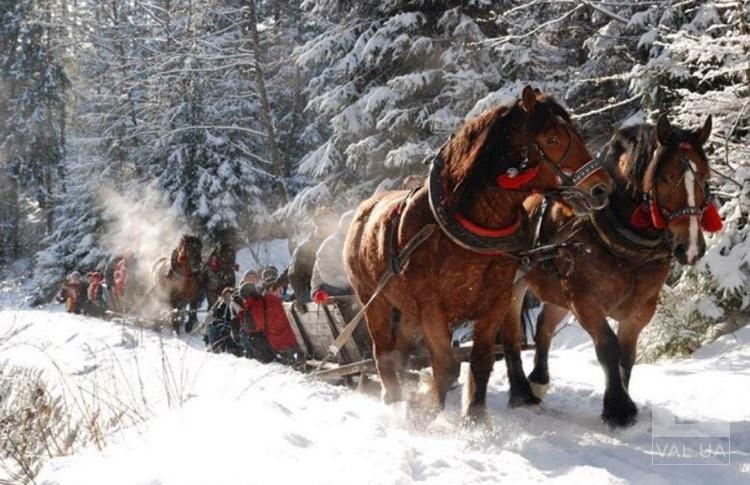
<point>33,108</point>
<point>388,83</point>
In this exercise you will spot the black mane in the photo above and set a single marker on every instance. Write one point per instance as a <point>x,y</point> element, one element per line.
<point>639,142</point>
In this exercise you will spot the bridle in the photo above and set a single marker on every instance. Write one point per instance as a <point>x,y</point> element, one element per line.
<point>513,238</point>
<point>514,179</point>
<point>661,217</point>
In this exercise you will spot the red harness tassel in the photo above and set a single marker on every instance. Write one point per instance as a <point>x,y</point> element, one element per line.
<point>517,181</point>
<point>656,216</point>
<point>711,220</point>
<point>641,219</point>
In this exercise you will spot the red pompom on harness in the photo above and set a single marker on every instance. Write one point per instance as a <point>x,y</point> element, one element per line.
<point>517,181</point>
<point>711,220</point>
<point>651,217</point>
<point>656,216</point>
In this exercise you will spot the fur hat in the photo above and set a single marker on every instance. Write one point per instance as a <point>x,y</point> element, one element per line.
<point>250,272</point>
<point>248,290</point>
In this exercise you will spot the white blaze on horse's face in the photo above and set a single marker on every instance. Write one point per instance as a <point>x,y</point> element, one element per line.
<point>694,230</point>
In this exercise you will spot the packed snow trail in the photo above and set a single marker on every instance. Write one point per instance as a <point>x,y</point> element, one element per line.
<point>222,420</point>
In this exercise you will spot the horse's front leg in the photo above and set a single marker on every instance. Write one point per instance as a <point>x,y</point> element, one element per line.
<point>627,334</point>
<point>192,315</point>
<point>546,323</point>
<point>511,333</point>
<point>174,315</point>
<point>619,409</point>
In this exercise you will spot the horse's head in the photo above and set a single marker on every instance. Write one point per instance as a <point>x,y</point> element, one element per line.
<point>531,145</point>
<point>675,183</point>
<point>189,253</point>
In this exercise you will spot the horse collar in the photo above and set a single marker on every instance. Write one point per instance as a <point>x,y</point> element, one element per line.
<point>623,241</point>
<point>509,240</point>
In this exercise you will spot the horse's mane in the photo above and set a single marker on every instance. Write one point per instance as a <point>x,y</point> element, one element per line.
<point>482,149</point>
<point>189,239</point>
<point>639,143</point>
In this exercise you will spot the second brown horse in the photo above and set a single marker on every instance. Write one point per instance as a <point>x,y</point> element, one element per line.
<point>657,211</point>
<point>528,145</point>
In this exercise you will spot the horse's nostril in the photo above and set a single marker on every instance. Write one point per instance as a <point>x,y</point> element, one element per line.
<point>679,250</point>
<point>599,192</point>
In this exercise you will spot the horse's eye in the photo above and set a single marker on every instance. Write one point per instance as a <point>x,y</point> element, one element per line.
<point>663,178</point>
<point>551,140</point>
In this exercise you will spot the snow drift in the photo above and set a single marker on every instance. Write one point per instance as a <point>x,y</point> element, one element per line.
<point>171,413</point>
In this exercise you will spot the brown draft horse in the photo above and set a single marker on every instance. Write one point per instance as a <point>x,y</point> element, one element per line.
<point>179,280</point>
<point>220,270</point>
<point>531,140</point>
<point>660,199</point>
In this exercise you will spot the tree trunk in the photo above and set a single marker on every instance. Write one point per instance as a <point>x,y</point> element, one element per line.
<point>260,83</point>
<point>745,30</point>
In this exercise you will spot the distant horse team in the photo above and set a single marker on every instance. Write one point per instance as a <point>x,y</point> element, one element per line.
<point>513,201</point>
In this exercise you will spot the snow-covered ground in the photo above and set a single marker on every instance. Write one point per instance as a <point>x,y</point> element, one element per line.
<point>190,417</point>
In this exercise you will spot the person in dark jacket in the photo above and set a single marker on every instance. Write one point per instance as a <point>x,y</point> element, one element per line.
<point>223,330</point>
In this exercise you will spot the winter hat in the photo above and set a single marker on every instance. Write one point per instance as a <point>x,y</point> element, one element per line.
<point>250,272</point>
<point>74,276</point>
<point>248,290</point>
<point>269,273</point>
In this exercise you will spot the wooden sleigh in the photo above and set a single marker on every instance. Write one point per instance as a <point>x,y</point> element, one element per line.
<point>318,327</point>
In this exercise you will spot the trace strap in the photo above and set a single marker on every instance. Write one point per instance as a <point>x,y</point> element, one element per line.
<point>402,258</point>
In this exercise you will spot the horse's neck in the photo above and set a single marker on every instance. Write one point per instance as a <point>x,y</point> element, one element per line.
<point>494,208</point>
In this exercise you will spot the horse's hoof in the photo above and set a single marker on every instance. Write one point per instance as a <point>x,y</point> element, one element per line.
<point>391,396</point>
<point>475,416</point>
<point>421,409</point>
<point>519,399</point>
<point>619,411</point>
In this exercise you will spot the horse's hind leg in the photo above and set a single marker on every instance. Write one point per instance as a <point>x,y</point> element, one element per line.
<point>546,323</point>
<point>387,358</point>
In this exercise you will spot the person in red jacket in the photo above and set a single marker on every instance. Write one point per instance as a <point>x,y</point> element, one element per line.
<point>266,333</point>
<point>253,318</point>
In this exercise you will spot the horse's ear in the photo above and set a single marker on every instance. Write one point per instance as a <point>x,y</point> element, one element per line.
<point>705,131</point>
<point>528,99</point>
<point>663,129</point>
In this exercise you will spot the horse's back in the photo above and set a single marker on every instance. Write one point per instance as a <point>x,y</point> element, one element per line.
<point>365,246</point>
